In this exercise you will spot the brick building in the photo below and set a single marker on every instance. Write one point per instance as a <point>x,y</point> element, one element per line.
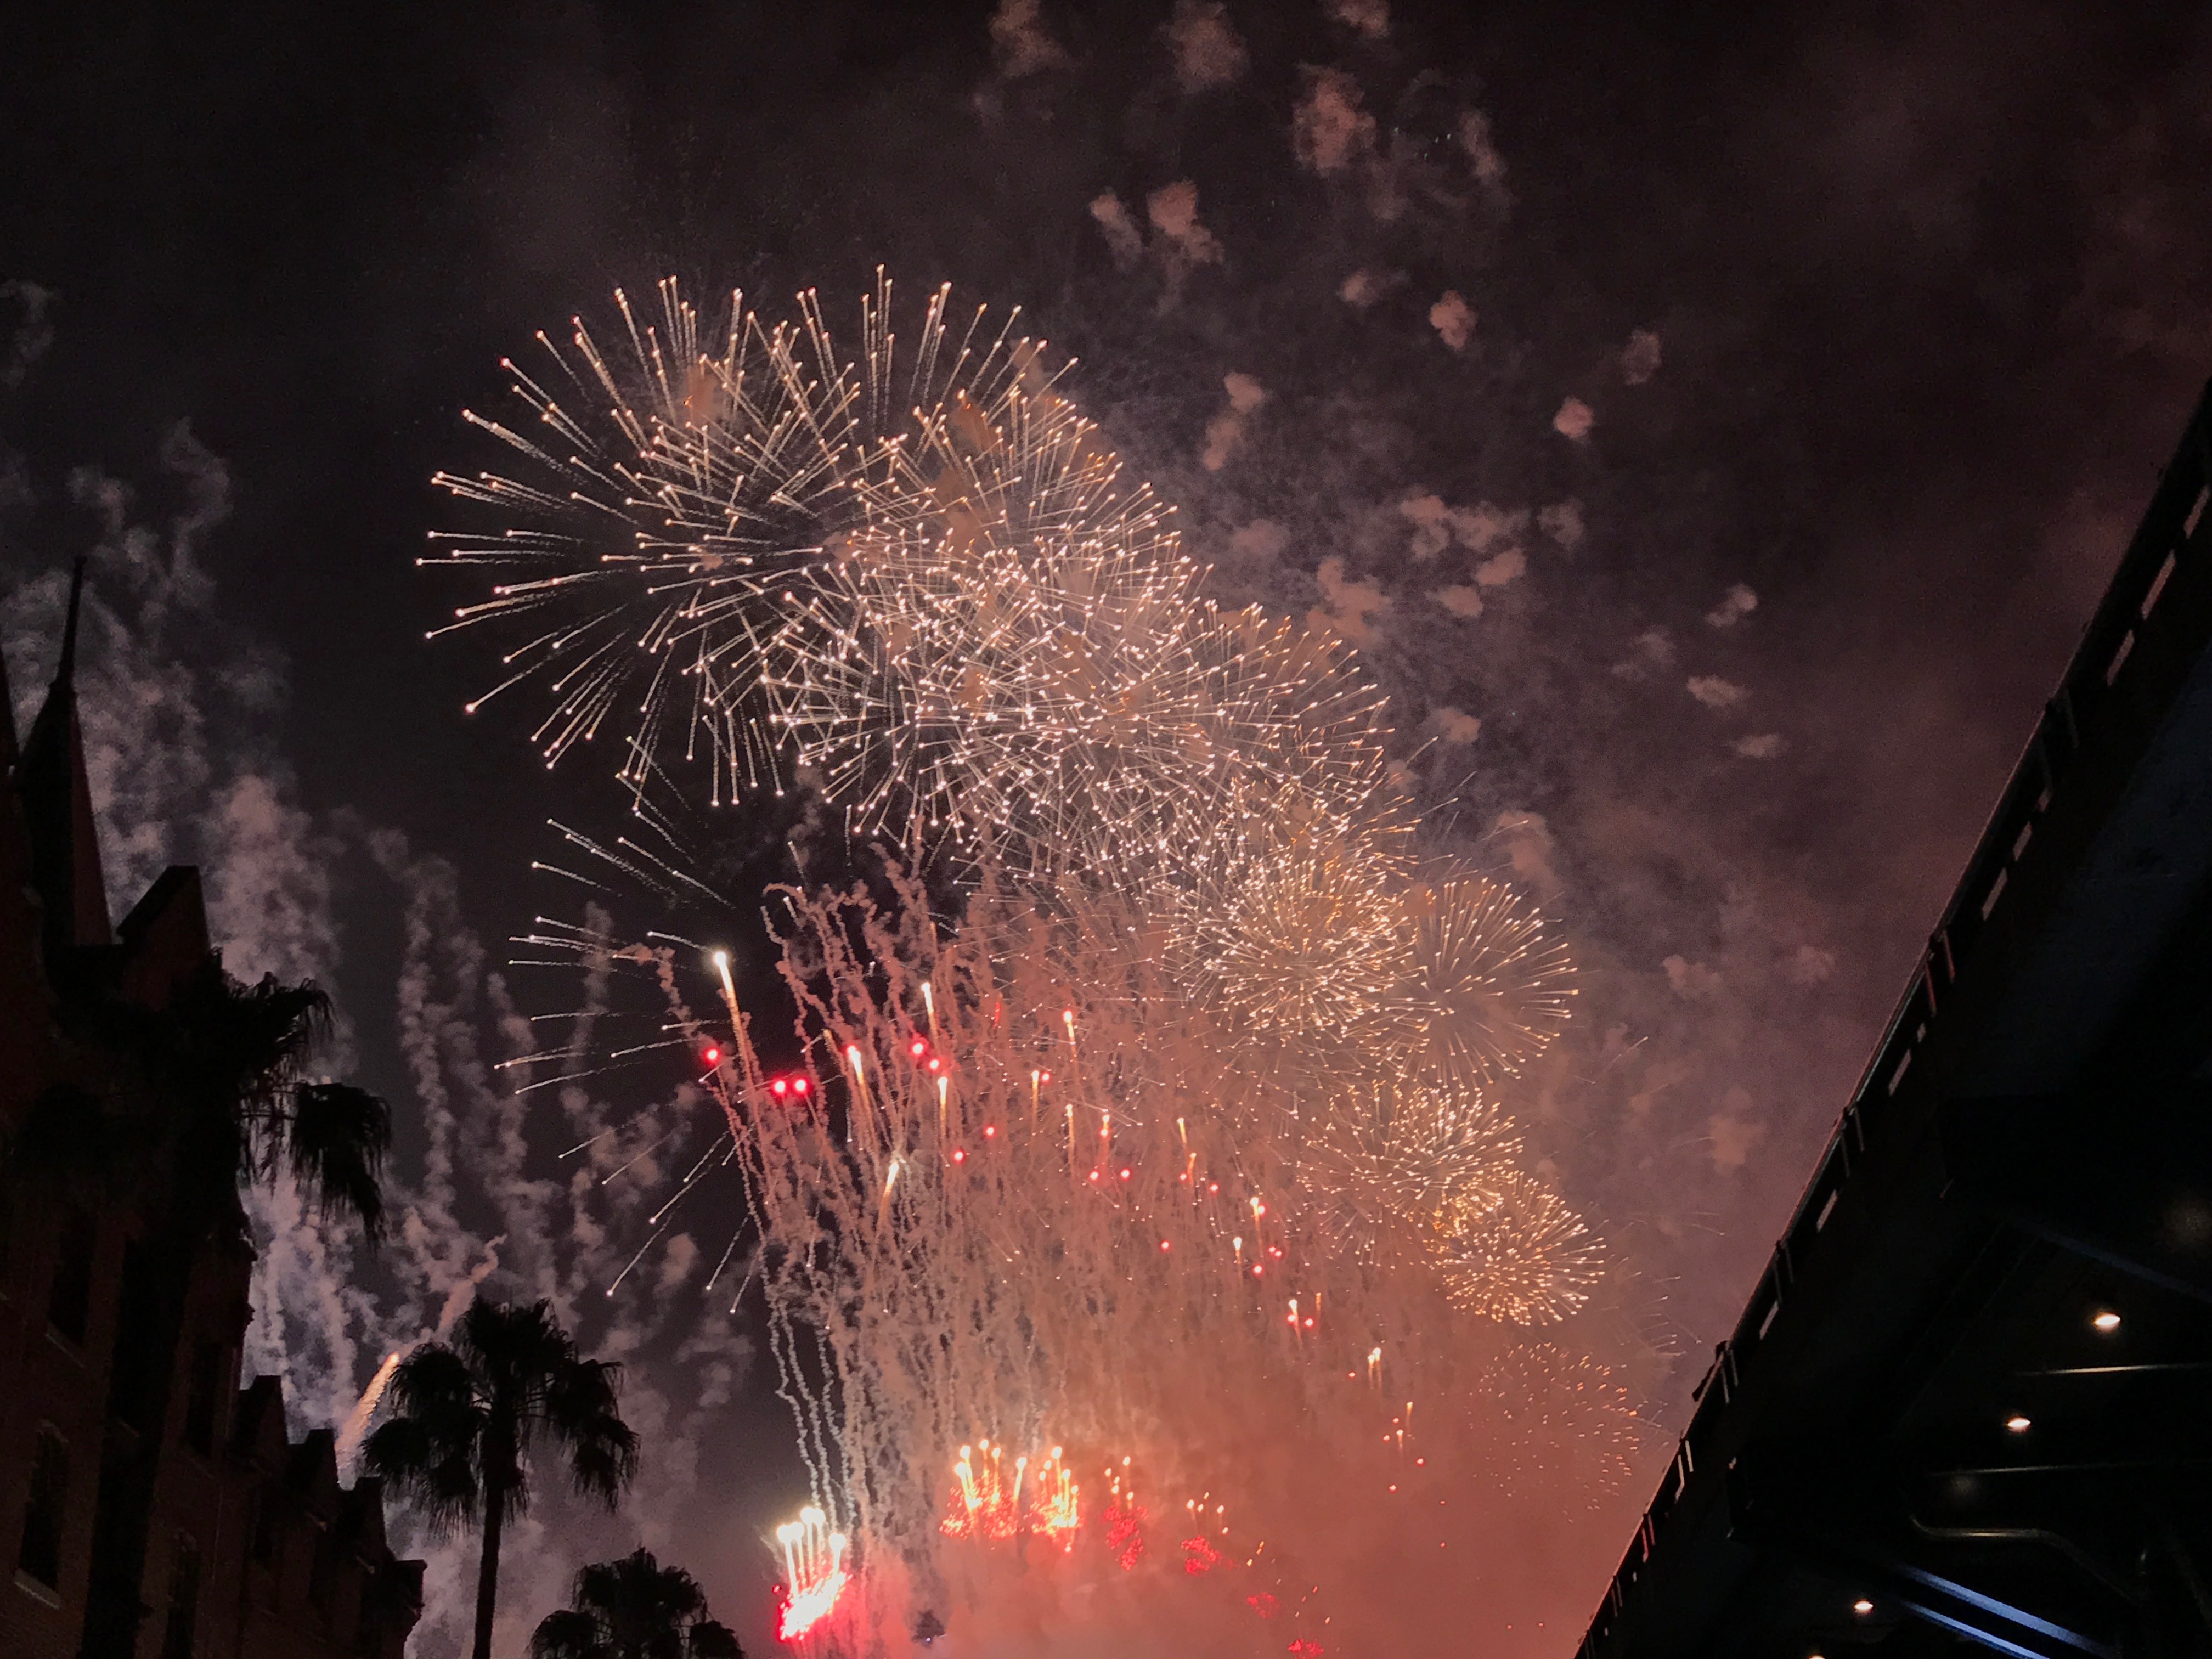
<point>149,1509</point>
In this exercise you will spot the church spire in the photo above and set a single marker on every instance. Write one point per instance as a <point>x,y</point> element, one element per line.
<point>56,795</point>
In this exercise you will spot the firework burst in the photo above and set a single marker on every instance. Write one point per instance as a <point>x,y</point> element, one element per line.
<point>1293,930</point>
<point>675,496</point>
<point>1485,989</point>
<point>1044,688</point>
<point>1548,1406</point>
<point>1517,1253</point>
<point>1391,1155</point>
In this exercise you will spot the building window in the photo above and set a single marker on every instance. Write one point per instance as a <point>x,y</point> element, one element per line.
<point>203,1397</point>
<point>70,1302</point>
<point>184,1600</point>
<point>41,1553</point>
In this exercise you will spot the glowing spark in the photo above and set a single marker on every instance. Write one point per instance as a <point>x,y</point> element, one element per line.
<point>729,988</point>
<point>814,1570</point>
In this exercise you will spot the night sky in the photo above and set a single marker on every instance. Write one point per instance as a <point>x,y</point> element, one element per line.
<point>1883,319</point>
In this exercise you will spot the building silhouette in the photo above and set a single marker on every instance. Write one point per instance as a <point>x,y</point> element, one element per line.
<point>148,1507</point>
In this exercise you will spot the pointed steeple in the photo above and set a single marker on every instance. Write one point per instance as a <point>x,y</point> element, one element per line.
<point>66,673</point>
<point>57,799</point>
<point>9,753</point>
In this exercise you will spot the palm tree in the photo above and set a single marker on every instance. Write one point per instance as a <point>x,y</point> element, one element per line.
<point>211,1093</point>
<point>465,1417</point>
<point>634,1608</point>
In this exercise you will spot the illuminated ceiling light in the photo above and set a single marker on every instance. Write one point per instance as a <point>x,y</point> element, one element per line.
<point>2017,1424</point>
<point>2105,1322</point>
<point>1863,1607</point>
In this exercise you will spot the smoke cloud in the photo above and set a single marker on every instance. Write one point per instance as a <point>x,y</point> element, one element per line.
<point>1205,44</point>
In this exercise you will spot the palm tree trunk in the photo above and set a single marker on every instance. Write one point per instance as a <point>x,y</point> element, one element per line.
<point>488,1568</point>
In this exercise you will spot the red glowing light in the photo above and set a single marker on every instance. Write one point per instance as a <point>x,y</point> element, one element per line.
<point>713,1056</point>
<point>1044,1077</point>
<point>917,1048</point>
<point>1094,1174</point>
<point>1163,1243</point>
<point>1198,1556</point>
<point>989,1500</point>
<point>799,1087</point>
<point>1124,1534</point>
<point>1124,1175</point>
<point>778,1087</point>
<point>1302,1649</point>
<point>960,1157</point>
<point>990,1129</point>
<point>1213,1186</point>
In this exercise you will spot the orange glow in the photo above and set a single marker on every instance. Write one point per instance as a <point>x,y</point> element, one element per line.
<point>990,1501</point>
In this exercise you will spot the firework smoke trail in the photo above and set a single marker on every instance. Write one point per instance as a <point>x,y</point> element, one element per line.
<point>358,1420</point>
<point>1195,1118</point>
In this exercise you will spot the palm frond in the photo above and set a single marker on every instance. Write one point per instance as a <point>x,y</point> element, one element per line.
<point>581,1414</point>
<point>430,1451</point>
<point>569,1634</point>
<point>247,1041</point>
<point>335,1141</point>
<point>637,1596</point>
